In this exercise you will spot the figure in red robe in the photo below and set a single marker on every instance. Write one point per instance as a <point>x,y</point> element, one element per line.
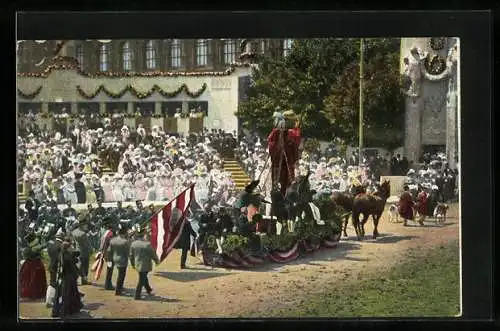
<point>283,144</point>
<point>406,205</point>
<point>422,205</point>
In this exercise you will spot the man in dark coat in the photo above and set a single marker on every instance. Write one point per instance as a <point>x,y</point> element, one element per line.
<point>119,212</point>
<point>31,205</point>
<point>54,248</point>
<point>83,245</point>
<point>69,211</point>
<point>99,212</point>
<point>105,240</point>
<point>80,189</point>
<point>184,242</point>
<point>142,255</point>
<point>118,252</point>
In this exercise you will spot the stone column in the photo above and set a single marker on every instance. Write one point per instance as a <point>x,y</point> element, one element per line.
<point>45,107</point>
<point>451,123</point>
<point>102,107</point>
<point>130,108</point>
<point>413,123</point>
<point>157,108</point>
<point>73,108</point>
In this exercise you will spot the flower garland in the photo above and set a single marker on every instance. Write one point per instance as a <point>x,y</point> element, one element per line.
<point>435,65</point>
<point>29,95</point>
<point>141,95</point>
<point>70,63</point>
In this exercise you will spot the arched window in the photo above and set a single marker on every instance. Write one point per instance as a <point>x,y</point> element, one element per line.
<point>229,51</point>
<point>287,46</point>
<point>127,56</point>
<point>175,54</point>
<point>201,52</point>
<point>151,55</point>
<point>80,55</point>
<point>104,57</point>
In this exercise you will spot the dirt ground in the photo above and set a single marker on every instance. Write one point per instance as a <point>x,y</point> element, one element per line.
<point>205,292</point>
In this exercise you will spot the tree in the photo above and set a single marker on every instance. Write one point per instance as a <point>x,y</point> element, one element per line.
<point>319,80</point>
<point>299,82</point>
<point>383,101</point>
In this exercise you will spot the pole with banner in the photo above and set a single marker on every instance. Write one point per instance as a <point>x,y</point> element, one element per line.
<point>361,56</point>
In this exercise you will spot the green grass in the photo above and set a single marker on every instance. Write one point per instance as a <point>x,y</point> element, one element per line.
<point>426,285</point>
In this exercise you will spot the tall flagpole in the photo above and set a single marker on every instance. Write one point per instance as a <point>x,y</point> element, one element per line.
<point>360,157</point>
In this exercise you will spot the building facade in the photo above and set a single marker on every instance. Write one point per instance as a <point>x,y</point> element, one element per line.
<point>150,77</point>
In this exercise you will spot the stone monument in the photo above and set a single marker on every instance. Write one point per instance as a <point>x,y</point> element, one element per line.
<point>429,68</point>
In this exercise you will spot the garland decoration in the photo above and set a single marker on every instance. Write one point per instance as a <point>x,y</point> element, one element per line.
<point>435,65</point>
<point>70,63</point>
<point>142,95</point>
<point>437,44</point>
<point>29,96</point>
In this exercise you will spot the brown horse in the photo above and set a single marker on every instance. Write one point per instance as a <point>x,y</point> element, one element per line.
<point>370,204</point>
<point>345,200</point>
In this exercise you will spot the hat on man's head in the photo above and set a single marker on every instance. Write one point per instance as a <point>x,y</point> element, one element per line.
<point>290,115</point>
<point>252,185</point>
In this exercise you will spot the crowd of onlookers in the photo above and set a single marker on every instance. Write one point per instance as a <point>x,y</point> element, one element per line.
<point>150,166</point>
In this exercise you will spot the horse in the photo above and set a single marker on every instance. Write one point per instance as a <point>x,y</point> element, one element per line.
<point>370,204</point>
<point>296,200</point>
<point>345,200</point>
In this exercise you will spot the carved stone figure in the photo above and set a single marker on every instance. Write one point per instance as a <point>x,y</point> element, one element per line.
<point>413,70</point>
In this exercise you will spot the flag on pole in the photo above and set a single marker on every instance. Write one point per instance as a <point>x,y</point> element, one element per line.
<point>168,222</point>
<point>100,256</point>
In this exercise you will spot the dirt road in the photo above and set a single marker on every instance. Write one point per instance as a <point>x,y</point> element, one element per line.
<point>215,292</point>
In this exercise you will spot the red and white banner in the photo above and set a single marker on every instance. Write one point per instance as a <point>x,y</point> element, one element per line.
<point>167,224</point>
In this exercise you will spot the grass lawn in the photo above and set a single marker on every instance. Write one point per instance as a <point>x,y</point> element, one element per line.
<point>426,285</point>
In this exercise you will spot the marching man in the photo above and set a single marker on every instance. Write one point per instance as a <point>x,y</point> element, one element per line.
<point>142,255</point>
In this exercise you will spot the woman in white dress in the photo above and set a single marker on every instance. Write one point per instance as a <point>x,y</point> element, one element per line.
<point>151,190</point>
<point>107,188</point>
<point>69,191</point>
<point>118,188</point>
<point>128,188</point>
<point>140,187</point>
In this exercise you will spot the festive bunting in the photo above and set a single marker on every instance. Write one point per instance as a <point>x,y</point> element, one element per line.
<point>142,95</point>
<point>29,96</point>
<point>70,63</point>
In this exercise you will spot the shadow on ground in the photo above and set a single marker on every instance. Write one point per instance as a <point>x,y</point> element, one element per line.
<point>342,251</point>
<point>190,275</point>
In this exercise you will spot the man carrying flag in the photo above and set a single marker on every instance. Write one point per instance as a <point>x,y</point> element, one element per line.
<point>168,223</point>
<point>101,256</point>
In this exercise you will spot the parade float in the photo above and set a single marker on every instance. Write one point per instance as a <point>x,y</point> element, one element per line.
<point>301,221</point>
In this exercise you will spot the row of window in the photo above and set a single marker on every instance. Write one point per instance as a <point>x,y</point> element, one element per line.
<point>152,60</point>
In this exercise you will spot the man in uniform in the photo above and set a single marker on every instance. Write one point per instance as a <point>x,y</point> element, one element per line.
<point>31,205</point>
<point>105,241</point>
<point>69,211</point>
<point>118,212</point>
<point>141,257</point>
<point>249,200</point>
<point>118,252</point>
<point>99,212</point>
<point>83,245</point>
<point>54,248</point>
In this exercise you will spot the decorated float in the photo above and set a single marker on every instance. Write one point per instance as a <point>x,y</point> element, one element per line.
<point>301,221</point>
